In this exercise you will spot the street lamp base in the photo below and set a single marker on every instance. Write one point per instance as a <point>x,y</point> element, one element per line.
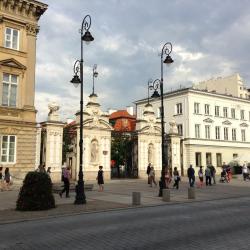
<point>162,185</point>
<point>80,195</point>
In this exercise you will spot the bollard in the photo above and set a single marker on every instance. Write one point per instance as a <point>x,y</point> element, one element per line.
<point>136,198</point>
<point>191,193</point>
<point>166,195</point>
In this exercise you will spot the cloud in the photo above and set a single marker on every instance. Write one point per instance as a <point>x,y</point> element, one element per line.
<point>210,39</point>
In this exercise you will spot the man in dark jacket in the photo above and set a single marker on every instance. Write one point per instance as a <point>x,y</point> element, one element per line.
<point>191,177</point>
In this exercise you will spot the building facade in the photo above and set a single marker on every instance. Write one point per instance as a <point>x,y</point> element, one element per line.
<point>18,33</point>
<point>214,127</point>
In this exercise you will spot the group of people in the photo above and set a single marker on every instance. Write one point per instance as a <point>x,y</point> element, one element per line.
<point>42,169</point>
<point>66,175</point>
<point>5,179</point>
<point>209,175</point>
<point>168,176</point>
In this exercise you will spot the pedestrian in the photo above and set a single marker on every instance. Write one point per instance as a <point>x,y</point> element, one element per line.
<point>66,181</point>
<point>191,176</point>
<point>213,172</point>
<point>177,178</point>
<point>200,174</point>
<point>229,173</point>
<point>148,171</point>
<point>1,179</point>
<point>167,177</point>
<point>49,171</point>
<point>152,176</point>
<point>100,180</point>
<point>208,176</point>
<point>7,178</point>
<point>245,172</point>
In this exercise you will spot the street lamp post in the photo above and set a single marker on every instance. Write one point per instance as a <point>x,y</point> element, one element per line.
<point>76,80</point>
<point>166,49</point>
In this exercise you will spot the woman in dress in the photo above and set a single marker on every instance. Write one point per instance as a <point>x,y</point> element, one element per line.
<point>7,178</point>
<point>100,180</point>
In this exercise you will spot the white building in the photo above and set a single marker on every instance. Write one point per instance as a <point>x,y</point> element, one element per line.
<point>214,125</point>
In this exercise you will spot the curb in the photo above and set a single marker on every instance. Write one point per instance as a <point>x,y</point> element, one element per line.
<point>126,207</point>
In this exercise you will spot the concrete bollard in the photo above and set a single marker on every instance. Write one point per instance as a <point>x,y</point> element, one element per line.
<point>166,195</point>
<point>191,193</point>
<point>136,198</point>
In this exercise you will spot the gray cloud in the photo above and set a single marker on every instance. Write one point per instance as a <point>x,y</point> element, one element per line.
<point>210,39</point>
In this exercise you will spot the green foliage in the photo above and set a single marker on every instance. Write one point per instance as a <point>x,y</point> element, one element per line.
<point>36,193</point>
<point>121,148</point>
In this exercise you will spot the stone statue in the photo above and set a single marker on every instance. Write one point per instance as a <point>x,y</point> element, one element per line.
<point>173,128</point>
<point>150,153</point>
<point>53,112</point>
<point>94,151</point>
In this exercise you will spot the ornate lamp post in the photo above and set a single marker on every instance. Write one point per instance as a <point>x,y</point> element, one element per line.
<point>76,80</point>
<point>166,49</point>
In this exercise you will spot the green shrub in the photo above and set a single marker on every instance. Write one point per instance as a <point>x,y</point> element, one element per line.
<point>36,193</point>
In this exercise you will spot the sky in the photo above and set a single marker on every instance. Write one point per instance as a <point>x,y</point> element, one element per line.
<point>210,39</point>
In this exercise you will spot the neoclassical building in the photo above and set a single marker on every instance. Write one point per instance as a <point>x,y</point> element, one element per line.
<point>18,34</point>
<point>212,118</point>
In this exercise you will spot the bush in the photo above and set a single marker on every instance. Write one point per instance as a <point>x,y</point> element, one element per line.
<point>36,193</point>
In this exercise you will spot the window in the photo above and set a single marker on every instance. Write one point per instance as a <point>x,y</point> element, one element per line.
<point>159,112</point>
<point>243,135</point>
<point>234,134</point>
<point>225,112</point>
<point>226,134</point>
<point>9,93</point>
<point>217,111</point>
<point>207,131</point>
<point>8,149</point>
<point>207,109</point>
<point>179,108</point>
<point>198,159</point>
<point>218,159</point>
<point>217,133</point>
<point>196,108</point>
<point>208,158</point>
<point>180,129</point>
<point>242,115</point>
<point>197,130</point>
<point>12,38</point>
<point>233,113</point>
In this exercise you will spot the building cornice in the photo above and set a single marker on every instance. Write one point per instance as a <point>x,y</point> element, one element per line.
<point>29,9</point>
<point>194,91</point>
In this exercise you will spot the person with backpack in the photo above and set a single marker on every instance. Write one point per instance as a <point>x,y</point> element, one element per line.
<point>66,181</point>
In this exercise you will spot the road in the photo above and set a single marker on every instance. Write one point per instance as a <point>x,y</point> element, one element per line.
<point>223,224</point>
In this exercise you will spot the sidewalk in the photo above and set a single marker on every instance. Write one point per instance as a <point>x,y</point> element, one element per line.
<point>118,194</point>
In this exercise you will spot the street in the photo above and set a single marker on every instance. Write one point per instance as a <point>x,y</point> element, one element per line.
<point>218,224</point>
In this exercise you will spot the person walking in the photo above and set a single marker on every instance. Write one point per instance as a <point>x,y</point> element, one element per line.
<point>148,171</point>
<point>213,172</point>
<point>167,177</point>
<point>200,174</point>
<point>208,176</point>
<point>177,178</point>
<point>245,172</point>
<point>49,171</point>
<point>66,181</point>
<point>152,176</point>
<point>100,180</point>
<point>229,174</point>
<point>1,179</point>
<point>7,178</point>
<point>191,176</point>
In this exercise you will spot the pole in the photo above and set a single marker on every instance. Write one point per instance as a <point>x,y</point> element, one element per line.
<point>80,194</point>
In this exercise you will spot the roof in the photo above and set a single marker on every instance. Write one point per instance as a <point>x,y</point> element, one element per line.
<point>121,114</point>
